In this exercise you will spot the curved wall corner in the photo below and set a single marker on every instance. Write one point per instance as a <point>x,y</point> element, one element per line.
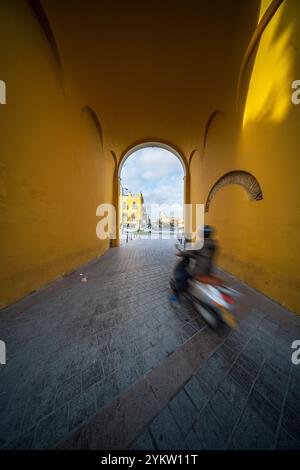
<point>212,117</point>
<point>90,113</point>
<point>44,23</point>
<point>255,38</point>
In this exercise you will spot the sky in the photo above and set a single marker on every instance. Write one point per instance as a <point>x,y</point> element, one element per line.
<point>158,174</point>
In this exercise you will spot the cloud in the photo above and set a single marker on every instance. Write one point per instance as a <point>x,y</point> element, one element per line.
<point>151,164</point>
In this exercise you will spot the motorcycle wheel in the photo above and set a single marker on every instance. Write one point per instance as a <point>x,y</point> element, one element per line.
<point>208,315</point>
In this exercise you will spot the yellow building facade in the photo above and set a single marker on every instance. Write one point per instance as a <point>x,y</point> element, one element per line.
<point>133,214</point>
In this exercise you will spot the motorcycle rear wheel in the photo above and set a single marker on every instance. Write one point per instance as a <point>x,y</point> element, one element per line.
<point>208,315</point>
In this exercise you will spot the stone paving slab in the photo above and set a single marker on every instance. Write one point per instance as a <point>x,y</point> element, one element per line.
<point>73,340</point>
<point>236,406</point>
<point>160,383</point>
<point>81,353</point>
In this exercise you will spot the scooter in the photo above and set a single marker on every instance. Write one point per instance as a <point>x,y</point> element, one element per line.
<point>211,298</point>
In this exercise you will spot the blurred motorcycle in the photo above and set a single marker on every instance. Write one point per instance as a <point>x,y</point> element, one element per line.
<point>211,298</point>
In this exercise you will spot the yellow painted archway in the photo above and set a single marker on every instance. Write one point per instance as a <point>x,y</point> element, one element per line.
<point>134,148</point>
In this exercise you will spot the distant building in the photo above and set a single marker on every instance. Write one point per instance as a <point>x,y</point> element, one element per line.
<point>133,212</point>
<point>168,223</point>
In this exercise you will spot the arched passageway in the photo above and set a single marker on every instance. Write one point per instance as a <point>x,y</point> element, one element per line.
<point>100,354</point>
<point>151,167</point>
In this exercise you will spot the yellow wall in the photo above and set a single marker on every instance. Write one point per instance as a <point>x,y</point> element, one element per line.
<point>152,71</point>
<point>259,241</point>
<point>53,172</point>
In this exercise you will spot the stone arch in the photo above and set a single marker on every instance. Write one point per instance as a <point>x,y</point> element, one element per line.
<point>158,144</point>
<point>146,144</point>
<point>242,178</point>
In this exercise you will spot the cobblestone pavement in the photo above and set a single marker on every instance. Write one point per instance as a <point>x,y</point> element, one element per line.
<point>110,364</point>
<point>246,396</point>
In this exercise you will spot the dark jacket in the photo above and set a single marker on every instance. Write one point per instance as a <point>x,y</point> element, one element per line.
<point>201,261</point>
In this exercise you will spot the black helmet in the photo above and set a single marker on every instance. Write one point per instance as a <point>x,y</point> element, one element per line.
<point>208,231</point>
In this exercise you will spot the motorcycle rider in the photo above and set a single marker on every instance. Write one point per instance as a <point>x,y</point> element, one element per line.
<point>197,262</point>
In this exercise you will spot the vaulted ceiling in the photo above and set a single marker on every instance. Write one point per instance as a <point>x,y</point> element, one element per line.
<point>152,69</point>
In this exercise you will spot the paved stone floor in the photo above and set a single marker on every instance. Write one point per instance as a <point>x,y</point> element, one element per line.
<point>110,364</point>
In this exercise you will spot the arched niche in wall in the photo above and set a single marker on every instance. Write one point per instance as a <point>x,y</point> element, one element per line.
<point>89,114</point>
<point>242,178</point>
<point>210,121</point>
<point>255,38</point>
<point>39,13</point>
<point>94,161</point>
<point>194,154</point>
<point>114,156</point>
